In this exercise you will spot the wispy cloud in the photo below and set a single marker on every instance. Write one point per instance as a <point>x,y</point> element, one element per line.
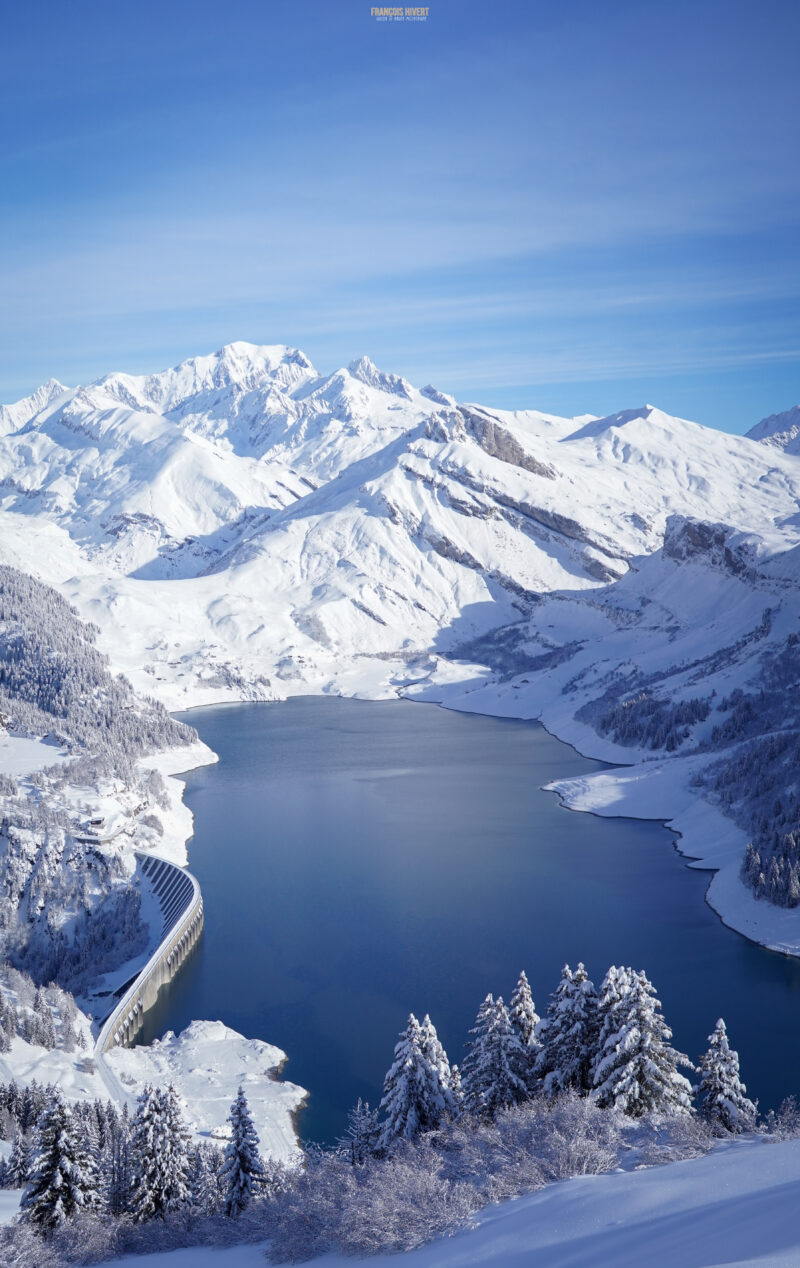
<point>575,191</point>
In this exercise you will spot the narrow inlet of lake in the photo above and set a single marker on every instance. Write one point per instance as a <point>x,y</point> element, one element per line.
<point>363,860</point>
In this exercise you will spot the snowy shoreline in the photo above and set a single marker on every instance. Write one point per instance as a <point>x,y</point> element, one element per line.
<point>659,791</point>
<point>652,790</point>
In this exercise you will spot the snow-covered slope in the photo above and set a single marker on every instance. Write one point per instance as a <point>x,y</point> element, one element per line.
<point>736,1206</point>
<point>240,526</point>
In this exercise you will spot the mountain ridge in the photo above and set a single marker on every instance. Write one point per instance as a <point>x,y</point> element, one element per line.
<point>245,528</point>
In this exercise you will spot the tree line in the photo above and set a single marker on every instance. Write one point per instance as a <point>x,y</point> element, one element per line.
<point>611,1044</point>
<point>67,910</point>
<point>535,1099</point>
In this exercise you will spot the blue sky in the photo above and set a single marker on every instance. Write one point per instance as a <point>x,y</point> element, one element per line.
<point>568,206</point>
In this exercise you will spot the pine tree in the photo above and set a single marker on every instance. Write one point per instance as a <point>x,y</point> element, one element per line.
<point>637,1072</point>
<point>523,1012</point>
<point>69,1037</point>
<point>43,1029</point>
<point>19,1162</point>
<point>611,1005</point>
<point>118,1163</point>
<point>456,1090</point>
<point>14,1100</point>
<point>30,1106</point>
<point>525,1020</point>
<point>415,1097</point>
<point>8,1024</point>
<point>242,1174</point>
<point>495,1068</point>
<point>205,1178</point>
<point>63,1177</point>
<point>568,1034</point>
<point>438,1072</point>
<point>159,1144</point>
<point>361,1137</point>
<point>721,1095</point>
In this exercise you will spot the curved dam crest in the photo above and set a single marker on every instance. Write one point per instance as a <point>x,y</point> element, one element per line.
<point>181,905</point>
<point>361,860</point>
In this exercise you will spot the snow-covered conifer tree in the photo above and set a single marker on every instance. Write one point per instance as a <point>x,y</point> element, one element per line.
<point>568,1034</point>
<point>19,1162</point>
<point>63,1177</point>
<point>415,1097</point>
<point>361,1138</point>
<point>495,1066</point>
<point>242,1173</point>
<point>159,1145</point>
<point>205,1178</point>
<point>611,1003</point>
<point>525,1020</point>
<point>117,1166</point>
<point>722,1097</point>
<point>637,1072</point>
<point>438,1073</point>
<point>456,1090</point>
<point>523,1013</point>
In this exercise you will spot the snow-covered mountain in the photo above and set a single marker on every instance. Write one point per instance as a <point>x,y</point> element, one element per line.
<point>780,430</point>
<point>241,526</point>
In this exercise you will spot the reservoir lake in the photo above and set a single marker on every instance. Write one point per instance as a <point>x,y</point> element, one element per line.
<point>361,860</point>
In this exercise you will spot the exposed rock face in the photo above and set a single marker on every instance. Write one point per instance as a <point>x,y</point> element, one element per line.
<point>717,545</point>
<point>498,442</point>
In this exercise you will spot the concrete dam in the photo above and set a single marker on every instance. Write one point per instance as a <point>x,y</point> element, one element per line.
<point>181,905</point>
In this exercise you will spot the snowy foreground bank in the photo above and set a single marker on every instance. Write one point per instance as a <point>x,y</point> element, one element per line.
<point>207,1062</point>
<point>735,1206</point>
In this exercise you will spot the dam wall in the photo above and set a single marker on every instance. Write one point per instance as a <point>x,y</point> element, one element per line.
<point>181,905</point>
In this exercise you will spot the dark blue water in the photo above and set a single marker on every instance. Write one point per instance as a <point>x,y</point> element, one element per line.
<point>360,861</point>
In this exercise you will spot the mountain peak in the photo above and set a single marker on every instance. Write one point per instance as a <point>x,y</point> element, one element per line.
<point>599,426</point>
<point>21,412</point>
<point>367,372</point>
<point>782,431</point>
<point>239,366</point>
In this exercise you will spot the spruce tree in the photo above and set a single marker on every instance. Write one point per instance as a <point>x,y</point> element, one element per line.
<point>722,1097</point>
<point>456,1090</point>
<point>242,1173</point>
<point>415,1098</point>
<point>611,1004</point>
<point>568,1034</point>
<point>361,1137</point>
<point>118,1163</point>
<point>437,1072</point>
<point>14,1100</point>
<point>525,1020</point>
<point>205,1178</point>
<point>19,1162</point>
<point>160,1149</point>
<point>523,1012</point>
<point>637,1071</point>
<point>63,1177</point>
<point>495,1068</point>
